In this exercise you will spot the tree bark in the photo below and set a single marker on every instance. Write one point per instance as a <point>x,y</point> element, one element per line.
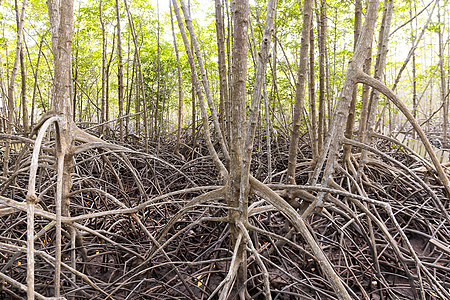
<point>220,166</point>
<point>35,85</point>
<point>238,123</point>
<point>61,20</point>
<point>119,72</point>
<point>299,105</point>
<point>312,95</point>
<point>383,41</point>
<point>365,98</point>
<point>351,113</point>
<point>335,133</point>
<point>180,88</point>
<point>104,48</point>
<point>23,94</point>
<point>158,82</point>
<point>11,105</point>
<point>414,83</point>
<point>140,77</point>
<point>444,98</point>
<point>228,41</point>
<point>205,82</point>
<point>129,87</point>
<point>322,62</point>
<point>222,62</point>
<point>108,66</point>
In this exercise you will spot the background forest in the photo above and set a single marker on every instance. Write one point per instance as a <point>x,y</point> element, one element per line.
<point>224,149</point>
<point>95,60</point>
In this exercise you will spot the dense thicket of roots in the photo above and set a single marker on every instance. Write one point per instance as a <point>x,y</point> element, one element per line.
<point>186,252</point>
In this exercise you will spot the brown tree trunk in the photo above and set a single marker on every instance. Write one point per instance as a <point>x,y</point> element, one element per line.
<point>228,42</point>
<point>312,95</point>
<point>300,92</point>
<point>335,133</point>
<point>3,115</point>
<point>365,98</point>
<point>241,143</point>
<point>104,48</point>
<point>238,123</point>
<point>140,78</point>
<point>180,88</point>
<point>413,41</point>
<point>35,78</point>
<point>158,83</point>
<point>383,41</point>
<point>222,62</point>
<point>444,98</point>
<point>322,62</point>
<point>137,100</point>
<point>61,20</point>
<point>108,66</point>
<point>11,105</point>
<point>205,83</point>
<point>119,72</point>
<point>220,166</point>
<point>194,108</point>
<point>129,87</point>
<point>23,94</point>
<point>75,87</point>
<point>351,113</point>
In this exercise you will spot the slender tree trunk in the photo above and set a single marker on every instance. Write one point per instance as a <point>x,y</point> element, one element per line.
<point>180,88</point>
<point>11,104</point>
<point>229,60</point>
<point>23,71</point>
<point>243,159</point>
<point>322,62</point>
<point>205,83</point>
<point>158,81</point>
<point>238,123</point>
<point>3,115</point>
<point>194,116</point>
<point>104,48</point>
<point>351,114</point>
<point>108,66</point>
<point>222,62</point>
<point>129,87</point>
<point>444,98</point>
<point>119,72</point>
<point>137,101</point>
<point>300,92</point>
<point>35,77</point>
<point>194,108</point>
<point>330,95</point>
<point>335,133</point>
<point>220,166</point>
<point>140,78</point>
<point>160,129</point>
<point>75,88</point>
<point>312,95</point>
<point>413,41</point>
<point>61,20</point>
<point>365,98</point>
<point>268,134</point>
<point>275,67</point>
<point>383,42</point>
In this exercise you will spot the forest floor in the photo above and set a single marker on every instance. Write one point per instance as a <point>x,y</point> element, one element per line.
<point>171,247</point>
